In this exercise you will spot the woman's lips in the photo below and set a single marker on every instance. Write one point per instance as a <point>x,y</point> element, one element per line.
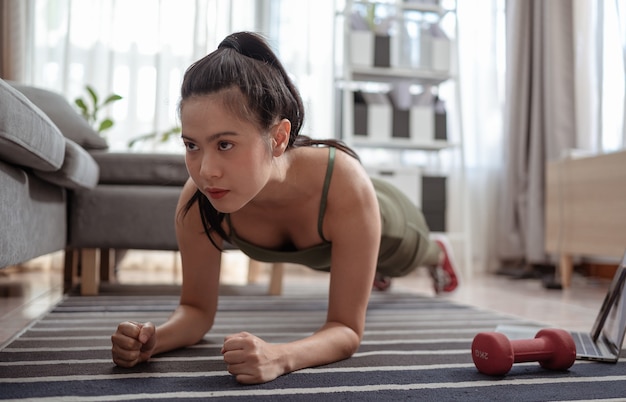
<point>216,194</point>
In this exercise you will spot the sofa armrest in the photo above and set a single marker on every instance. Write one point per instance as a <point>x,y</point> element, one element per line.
<point>79,170</point>
<point>71,124</point>
<point>27,136</point>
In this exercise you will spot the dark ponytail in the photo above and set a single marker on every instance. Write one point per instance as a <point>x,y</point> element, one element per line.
<point>244,61</point>
<point>287,99</point>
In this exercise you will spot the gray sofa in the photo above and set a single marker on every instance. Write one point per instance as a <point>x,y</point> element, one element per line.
<point>132,207</point>
<point>61,189</point>
<point>39,166</point>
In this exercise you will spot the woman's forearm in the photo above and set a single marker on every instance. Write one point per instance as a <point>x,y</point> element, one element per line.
<point>331,343</point>
<point>185,327</point>
<point>252,360</point>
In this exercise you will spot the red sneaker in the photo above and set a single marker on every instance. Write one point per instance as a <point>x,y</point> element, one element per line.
<point>444,275</point>
<point>381,283</point>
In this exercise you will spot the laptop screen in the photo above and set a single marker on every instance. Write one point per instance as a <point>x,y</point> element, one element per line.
<point>615,324</point>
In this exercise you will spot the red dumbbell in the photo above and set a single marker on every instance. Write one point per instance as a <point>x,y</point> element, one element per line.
<point>494,354</point>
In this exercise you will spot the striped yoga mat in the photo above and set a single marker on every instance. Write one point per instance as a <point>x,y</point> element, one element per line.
<point>415,348</point>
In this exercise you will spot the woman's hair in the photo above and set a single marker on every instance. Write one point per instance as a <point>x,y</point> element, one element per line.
<point>245,63</point>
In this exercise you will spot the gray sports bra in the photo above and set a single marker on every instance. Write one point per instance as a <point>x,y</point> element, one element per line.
<point>316,257</point>
<point>404,234</point>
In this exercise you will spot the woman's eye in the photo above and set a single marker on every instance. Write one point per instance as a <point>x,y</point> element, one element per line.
<point>224,146</point>
<point>190,146</point>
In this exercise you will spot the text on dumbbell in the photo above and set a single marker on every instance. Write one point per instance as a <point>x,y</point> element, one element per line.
<point>481,355</point>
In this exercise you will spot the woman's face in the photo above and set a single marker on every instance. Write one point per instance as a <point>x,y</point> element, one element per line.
<point>227,157</point>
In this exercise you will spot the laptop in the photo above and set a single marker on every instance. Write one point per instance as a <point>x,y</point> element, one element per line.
<point>604,341</point>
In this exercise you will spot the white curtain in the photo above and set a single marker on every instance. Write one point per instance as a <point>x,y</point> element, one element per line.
<point>611,31</point>
<point>588,70</point>
<point>13,16</point>
<point>600,39</point>
<point>140,49</point>
<point>539,118</point>
<point>565,91</point>
<point>481,77</point>
<point>305,45</point>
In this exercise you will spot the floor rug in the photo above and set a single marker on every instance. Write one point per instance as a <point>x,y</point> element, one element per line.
<point>414,348</point>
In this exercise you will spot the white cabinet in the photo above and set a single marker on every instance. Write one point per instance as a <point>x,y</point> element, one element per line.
<point>406,178</point>
<point>397,50</point>
<point>397,91</point>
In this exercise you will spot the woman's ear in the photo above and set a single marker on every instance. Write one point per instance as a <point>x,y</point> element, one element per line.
<point>280,137</point>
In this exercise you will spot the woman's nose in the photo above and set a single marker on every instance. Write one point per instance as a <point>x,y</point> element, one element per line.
<point>210,168</point>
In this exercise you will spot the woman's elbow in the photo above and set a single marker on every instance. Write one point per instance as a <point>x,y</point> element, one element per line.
<point>352,343</point>
<point>198,324</point>
<point>203,328</point>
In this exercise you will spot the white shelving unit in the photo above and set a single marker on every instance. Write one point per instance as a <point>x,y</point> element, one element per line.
<point>351,77</point>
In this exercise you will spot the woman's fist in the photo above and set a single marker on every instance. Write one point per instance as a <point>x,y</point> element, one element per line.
<point>250,359</point>
<point>133,343</point>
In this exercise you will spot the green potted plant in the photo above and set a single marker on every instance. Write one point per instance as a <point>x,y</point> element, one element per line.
<point>91,106</point>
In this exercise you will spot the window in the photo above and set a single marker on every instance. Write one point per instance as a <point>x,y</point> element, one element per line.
<point>613,73</point>
<point>140,49</point>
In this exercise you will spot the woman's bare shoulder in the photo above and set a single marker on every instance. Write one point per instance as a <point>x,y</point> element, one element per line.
<point>352,207</point>
<point>351,190</point>
<point>344,164</point>
<point>349,171</point>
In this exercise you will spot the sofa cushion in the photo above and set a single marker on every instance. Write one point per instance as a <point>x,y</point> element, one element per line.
<point>124,216</point>
<point>71,124</point>
<point>27,136</point>
<point>142,169</point>
<point>79,169</point>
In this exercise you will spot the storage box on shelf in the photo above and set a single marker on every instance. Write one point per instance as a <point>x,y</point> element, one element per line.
<point>392,67</point>
<point>418,121</point>
<point>398,34</point>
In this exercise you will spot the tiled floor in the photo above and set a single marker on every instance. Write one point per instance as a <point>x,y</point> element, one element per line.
<point>28,292</point>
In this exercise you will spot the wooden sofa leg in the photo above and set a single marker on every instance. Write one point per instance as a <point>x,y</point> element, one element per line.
<point>254,270</point>
<point>276,275</point>
<point>70,274</point>
<point>566,267</point>
<point>90,271</point>
<point>276,279</point>
<point>107,265</point>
